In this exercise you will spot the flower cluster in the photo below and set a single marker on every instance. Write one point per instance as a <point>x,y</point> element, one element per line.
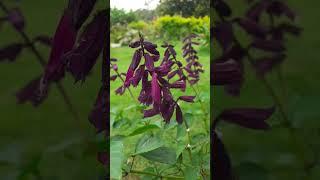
<point>228,68</point>
<point>155,79</point>
<point>117,75</point>
<point>193,67</point>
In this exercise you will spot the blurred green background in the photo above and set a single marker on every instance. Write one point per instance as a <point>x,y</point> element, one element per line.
<point>49,130</point>
<point>274,154</point>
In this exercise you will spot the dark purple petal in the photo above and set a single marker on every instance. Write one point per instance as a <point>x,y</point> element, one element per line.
<point>81,60</point>
<point>136,59</point>
<point>187,98</point>
<point>172,74</point>
<point>266,64</point>
<point>115,67</point>
<point>138,75</point>
<point>268,45</point>
<point>223,32</point>
<point>149,62</point>
<point>155,89</point>
<point>16,18</point>
<point>224,73</point>
<point>80,11</point>
<point>179,85</point>
<point>221,163</point>
<point>63,41</point>
<point>31,93</point>
<point>179,116</point>
<point>256,10</point>
<point>150,112</point>
<point>278,8</point>
<point>99,116</point>
<point>252,27</point>
<point>10,52</point>
<point>167,109</point>
<point>151,48</point>
<point>167,96</point>
<point>253,118</point>
<point>129,75</point>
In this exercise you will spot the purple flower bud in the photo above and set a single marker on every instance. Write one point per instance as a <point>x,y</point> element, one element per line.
<point>136,59</point>
<point>187,98</point>
<point>11,52</point>
<point>151,48</point>
<point>150,112</point>
<point>179,116</point>
<point>155,89</point>
<point>135,44</point>
<point>31,93</point>
<point>172,74</point>
<point>179,85</point>
<point>115,67</point>
<point>167,96</point>
<point>113,60</point>
<point>120,90</point>
<point>81,60</point>
<point>16,18</point>
<point>113,77</point>
<point>63,41</point>
<point>99,116</point>
<point>253,118</point>
<point>80,11</point>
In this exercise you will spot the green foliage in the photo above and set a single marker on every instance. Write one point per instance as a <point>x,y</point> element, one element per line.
<point>177,27</point>
<point>197,8</point>
<point>119,16</point>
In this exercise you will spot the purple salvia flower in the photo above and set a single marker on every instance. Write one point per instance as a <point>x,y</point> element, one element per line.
<point>149,62</point>
<point>80,11</point>
<point>155,89</point>
<point>150,112</point>
<point>135,44</point>
<point>63,41</point>
<point>81,60</point>
<point>138,75</point>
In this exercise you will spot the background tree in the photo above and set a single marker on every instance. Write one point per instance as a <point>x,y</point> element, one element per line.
<point>184,8</point>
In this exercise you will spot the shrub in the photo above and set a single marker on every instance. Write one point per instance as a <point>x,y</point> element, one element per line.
<point>176,27</point>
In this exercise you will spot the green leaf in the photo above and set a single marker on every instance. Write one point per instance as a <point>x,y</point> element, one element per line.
<point>163,155</point>
<point>143,129</point>
<point>148,143</point>
<point>250,171</point>
<point>191,173</point>
<point>116,155</point>
<point>180,147</point>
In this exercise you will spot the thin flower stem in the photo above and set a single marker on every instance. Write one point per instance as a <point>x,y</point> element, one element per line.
<point>41,60</point>
<point>119,75</point>
<point>156,175</point>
